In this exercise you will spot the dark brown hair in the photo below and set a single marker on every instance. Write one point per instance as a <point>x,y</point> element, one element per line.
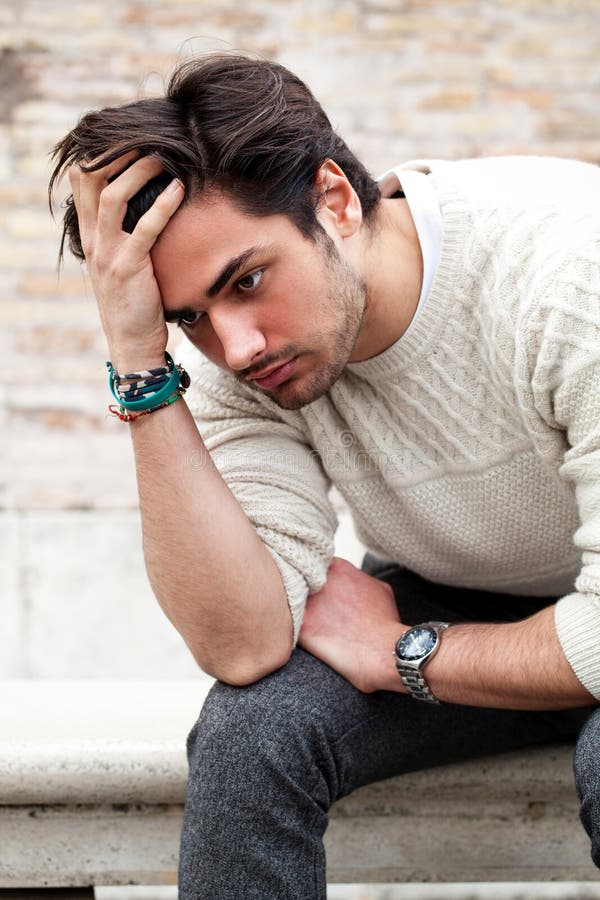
<point>247,127</point>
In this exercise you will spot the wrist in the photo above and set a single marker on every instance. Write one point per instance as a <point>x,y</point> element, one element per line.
<point>387,677</point>
<point>134,360</point>
<point>130,353</point>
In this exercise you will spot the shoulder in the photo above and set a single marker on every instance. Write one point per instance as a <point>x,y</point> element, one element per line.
<point>514,181</point>
<point>531,174</point>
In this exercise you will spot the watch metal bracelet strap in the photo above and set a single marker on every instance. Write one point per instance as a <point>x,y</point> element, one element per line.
<point>416,685</point>
<point>411,675</point>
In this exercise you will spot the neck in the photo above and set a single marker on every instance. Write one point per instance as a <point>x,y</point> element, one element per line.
<point>394,275</point>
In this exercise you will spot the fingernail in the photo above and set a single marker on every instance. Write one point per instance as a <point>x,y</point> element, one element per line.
<point>176,185</point>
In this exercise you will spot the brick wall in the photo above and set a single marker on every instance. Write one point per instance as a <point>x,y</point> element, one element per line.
<point>399,80</point>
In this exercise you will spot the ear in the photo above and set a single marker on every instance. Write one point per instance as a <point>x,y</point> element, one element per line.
<point>338,206</point>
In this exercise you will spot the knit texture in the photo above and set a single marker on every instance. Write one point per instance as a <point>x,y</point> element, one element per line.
<point>468,451</point>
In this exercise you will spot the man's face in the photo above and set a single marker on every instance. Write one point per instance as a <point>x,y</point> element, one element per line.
<point>279,311</point>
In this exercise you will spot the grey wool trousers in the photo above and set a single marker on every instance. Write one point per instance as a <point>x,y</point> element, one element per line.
<point>267,761</point>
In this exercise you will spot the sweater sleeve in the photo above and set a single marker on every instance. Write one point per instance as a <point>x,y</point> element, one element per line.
<point>274,474</point>
<point>565,361</point>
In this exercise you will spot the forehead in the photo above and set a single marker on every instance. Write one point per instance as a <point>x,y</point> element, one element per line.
<point>204,235</point>
<point>207,216</point>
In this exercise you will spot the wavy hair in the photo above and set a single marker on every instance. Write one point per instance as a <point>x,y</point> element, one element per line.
<point>249,128</point>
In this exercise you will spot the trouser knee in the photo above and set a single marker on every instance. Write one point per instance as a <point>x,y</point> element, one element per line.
<point>261,777</point>
<point>587,779</point>
<point>267,731</point>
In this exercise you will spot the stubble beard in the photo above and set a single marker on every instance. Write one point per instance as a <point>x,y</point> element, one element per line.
<point>348,293</point>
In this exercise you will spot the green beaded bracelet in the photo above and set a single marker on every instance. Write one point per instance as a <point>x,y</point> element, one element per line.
<point>128,416</point>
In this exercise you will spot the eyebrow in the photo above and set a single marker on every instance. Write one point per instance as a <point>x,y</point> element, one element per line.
<point>231,268</point>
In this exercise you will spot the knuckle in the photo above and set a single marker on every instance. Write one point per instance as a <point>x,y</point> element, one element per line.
<point>143,227</point>
<point>144,231</point>
<point>107,266</point>
<point>101,266</point>
<point>109,198</point>
<point>114,269</point>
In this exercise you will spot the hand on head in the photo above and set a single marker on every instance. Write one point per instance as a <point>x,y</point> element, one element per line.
<point>119,263</point>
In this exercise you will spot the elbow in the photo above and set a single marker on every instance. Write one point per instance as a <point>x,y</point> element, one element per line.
<point>245,676</point>
<point>245,656</point>
<point>241,671</point>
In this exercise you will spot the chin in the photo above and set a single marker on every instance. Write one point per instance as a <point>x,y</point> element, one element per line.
<point>292,395</point>
<point>292,403</point>
<point>288,399</point>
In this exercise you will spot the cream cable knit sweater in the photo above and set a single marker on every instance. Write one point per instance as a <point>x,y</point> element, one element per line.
<point>468,451</point>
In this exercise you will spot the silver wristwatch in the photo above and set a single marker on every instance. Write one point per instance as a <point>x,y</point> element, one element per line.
<point>414,649</point>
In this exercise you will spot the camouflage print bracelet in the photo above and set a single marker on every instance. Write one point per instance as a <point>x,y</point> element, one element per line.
<point>136,384</point>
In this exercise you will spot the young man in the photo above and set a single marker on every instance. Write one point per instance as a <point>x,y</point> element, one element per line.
<point>430,345</point>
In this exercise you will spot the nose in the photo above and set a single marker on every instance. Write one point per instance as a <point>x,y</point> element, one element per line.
<point>241,339</point>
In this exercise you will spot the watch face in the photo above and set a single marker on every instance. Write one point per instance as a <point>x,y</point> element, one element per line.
<point>416,643</point>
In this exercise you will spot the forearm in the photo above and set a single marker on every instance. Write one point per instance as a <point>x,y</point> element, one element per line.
<point>517,665</point>
<point>211,573</point>
<point>352,624</point>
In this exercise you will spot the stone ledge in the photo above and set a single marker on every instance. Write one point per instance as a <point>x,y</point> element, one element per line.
<point>96,741</point>
<point>92,782</point>
<point>512,817</point>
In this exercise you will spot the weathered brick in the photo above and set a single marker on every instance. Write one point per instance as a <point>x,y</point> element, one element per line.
<point>535,100</point>
<point>526,48</point>
<point>50,285</point>
<point>450,99</point>
<point>581,125</point>
<point>52,339</point>
<point>340,22</point>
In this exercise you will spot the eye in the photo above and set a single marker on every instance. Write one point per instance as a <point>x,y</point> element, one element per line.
<point>189,319</point>
<point>250,282</point>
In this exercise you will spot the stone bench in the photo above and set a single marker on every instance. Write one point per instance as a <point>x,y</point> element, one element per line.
<point>92,785</point>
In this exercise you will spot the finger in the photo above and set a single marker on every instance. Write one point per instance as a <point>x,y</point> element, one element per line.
<point>87,189</point>
<point>115,196</point>
<point>99,177</point>
<point>112,168</point>
<point>150,225</point>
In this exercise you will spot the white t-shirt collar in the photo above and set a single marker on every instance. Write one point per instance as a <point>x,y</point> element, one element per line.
<point>425,211</point>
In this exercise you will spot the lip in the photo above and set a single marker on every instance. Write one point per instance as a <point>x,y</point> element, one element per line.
<point>276,376</point>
